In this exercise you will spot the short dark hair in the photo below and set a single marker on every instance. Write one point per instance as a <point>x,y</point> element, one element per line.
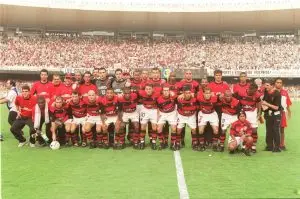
<point>109,89</point>
<point>102,68</point>
<point>25,87</point>
<point>87,73</point>
<point>253,86</point>
<point>41,99</point>
<point>155,68</point>
<point>12,82</point>
<point>277,78</point>
<point>75,93</point>
<point>149,85</point>
<point>269,81</point>
<point>44,71</point>
<point>218,71</point>
<point>243,73</point>
<point>119,69</point>
<point>126,89</point>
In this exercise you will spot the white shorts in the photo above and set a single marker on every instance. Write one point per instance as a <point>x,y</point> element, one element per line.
<point>110,119</point>
<point>171,118</point>
<point>134,117</point>
<point>94,120</point>
<point>138,108</point>
<point>227,120</point>
<point>147,115</point>
<point>189,120</point>
<point>212,118</point>
<point>238,140</point>
<point>78,121</point>
<point>251,116</point>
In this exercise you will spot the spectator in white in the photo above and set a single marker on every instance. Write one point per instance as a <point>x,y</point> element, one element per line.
<point>10,102</point>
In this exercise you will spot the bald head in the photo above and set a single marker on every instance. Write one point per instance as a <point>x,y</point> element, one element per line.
<point>92,96</point>
<point>227,95</point>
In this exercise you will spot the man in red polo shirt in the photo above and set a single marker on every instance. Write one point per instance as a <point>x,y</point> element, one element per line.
<point>55,87</point>
<point>42,87</point>
<point>66,88</point>
<point>286,112</point>
<point>24,105</point>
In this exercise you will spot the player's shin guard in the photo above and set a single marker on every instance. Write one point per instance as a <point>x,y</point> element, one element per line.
<point>74,138</point>
<point>122,136</point>
<point>254,136</point>
<point>89,136</point>
<point>154,136</point>
<point>142,135</point>
<point>68,137</point>
<point>105,137</point>
<point>222,137</point>
<point>99,137</point>
<point>160,137</point>
<point>173,138</point>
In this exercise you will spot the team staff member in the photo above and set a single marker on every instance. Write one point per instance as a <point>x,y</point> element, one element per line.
<point>10,102</point>
<point>24,105</point>
<point>286,112</point>
<point>103,82</point>
<point>271,105</point>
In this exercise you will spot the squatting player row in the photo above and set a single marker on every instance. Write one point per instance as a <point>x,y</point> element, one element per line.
<point>102,102</point>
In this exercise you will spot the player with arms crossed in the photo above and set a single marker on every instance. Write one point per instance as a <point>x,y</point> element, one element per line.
<point>207,114</point>
<point>186,108</point>
<point>166,113</point>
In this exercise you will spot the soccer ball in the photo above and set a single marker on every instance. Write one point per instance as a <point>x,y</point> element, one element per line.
<point>54,145</point>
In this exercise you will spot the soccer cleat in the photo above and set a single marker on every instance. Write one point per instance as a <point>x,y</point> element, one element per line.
<point>247,152</point>
<point>76,144</point>
<point>202,147</point>
<point>115,146</point>
<point>106,146</point>
<point>283,148</point>
<point>253,149</point>
<point>153,146</point>
<point>1,137</point>
<point>221,148</point>
<point>178,146</point>
<point>93,145</point>
<point>276,150</point>
<point>215,147</point>
<point>100,145</point>
<point>21,144</point>
<point>83,144</point>
<point>136,146</point>
<point>195,146</point>
<point>142,145</point>
<point>232,152</point>
<point>173,147</point>
<point>268,149</point>
<point>31,145</point>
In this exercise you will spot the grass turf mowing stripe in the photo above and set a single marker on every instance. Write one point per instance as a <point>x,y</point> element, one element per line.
<point>183,192</point>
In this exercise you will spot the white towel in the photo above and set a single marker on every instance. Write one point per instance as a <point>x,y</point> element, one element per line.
<point>38,115</point>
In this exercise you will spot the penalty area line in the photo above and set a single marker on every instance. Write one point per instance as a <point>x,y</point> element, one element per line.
<point>183,192</point>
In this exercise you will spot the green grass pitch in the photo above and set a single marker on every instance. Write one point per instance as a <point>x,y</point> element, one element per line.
<point>77,173</point>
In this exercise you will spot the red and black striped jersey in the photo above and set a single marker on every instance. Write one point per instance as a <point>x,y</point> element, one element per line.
<point>148,101</point>
<point>166,105</point>
<point>128,106</point>
<point>79,109</point>
<point>187,107</point>
<point>110,107</point>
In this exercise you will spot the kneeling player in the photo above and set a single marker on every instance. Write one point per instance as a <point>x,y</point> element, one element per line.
<point>77,108</point>
<point>93,118</point>
<point>187,107</point>
<point>167,113</point>
<point>230,108</point>
<point>207,114</point>
<point>110,116</point>
<point>240,135</point>
<point>148,113</point>
<point>128,106</point>
<point>59,117</point>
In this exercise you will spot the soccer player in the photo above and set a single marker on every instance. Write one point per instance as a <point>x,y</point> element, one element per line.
<point>67,88</point>
<point>230,108</point>
<point>188,81</point>
<point>119,83</point>
<point>286,112</point>
<point>87,85</point>
<point>251,103</point>
<point>42,87</point>
<point>59,120</point>
<point>207,114</point>
<point>240,135</point>
<point>78,110</point>
<point>156,80</point>
<point>186,108</point>
<point>103,82</point>
<point>167,113</point>
<point>93,109</point>
<point>148,113</point>
<point>172,83</point>
<point>145,76</point>
<point>24,105</point>
<point>110,116</point>
<point>128,107</point>
<point>242,86</point>
<point>10,101</point>
<point>78,77</point>
<point>55,86</point>
<point>271,104</point>
<point>136,82</point>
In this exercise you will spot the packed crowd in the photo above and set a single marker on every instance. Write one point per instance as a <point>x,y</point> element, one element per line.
<point>87,52</point>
